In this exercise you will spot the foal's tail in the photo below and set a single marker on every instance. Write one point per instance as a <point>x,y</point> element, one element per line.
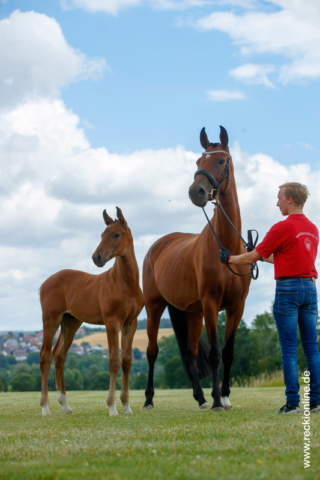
<point>179,322</point>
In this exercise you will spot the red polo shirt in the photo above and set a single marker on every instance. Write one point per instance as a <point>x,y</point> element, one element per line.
<point>294,245</point>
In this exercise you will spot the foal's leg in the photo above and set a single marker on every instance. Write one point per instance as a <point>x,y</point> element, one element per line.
<point>113,329</point>
<point>154,311</point>
<point>69,326</point>
<point>50,326</point>
<point>195,327</point>
<point>233,320</point>
<point>127,333</point>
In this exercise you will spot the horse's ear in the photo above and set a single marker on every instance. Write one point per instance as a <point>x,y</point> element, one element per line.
<point>223,137</point>
<point>204,139</point>
<point>120,216</point>
<point>108,220</point>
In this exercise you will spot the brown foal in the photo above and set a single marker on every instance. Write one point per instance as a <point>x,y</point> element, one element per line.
<point>113,298</point>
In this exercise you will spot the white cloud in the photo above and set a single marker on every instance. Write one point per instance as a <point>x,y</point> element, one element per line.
<point>225,95</point>
<point>54,192</point>
<point>178,4</point>
<point>36,60</point>
<point>114,6</point>
<point>92,6</point>
<point>291,30</point>
<point>307,146</point>
<point>253,74</point>
<point>54,186</point>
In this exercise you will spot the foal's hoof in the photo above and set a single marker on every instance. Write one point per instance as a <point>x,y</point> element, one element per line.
<point>217,409</point>
<point>127,410</point>
<point>113,414</point>
<point>204,406</point>
<point>148,407</point>
<point>46,412</point>
<point>113,411</point>
<point>228,409</point>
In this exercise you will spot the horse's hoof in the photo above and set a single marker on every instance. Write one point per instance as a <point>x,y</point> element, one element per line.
<point>204,406</point>
<point>217,409</point>
<point>67,412</point>
<point>228,409</point>
<point>148,407</point>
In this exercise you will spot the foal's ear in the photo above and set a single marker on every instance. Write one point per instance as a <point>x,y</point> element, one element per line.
<point>204,139</point>
<point>108,220</point>
<point>120,216</point>
<point>223,137</point>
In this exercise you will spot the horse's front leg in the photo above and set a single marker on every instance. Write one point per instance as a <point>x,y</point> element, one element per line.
<point>233,320</point>
<point>195,327</point>
<point>113,328</point>
<point>211,321</point>
<point>227,359</point>
<point>127,333</point>
<point>154,309</point>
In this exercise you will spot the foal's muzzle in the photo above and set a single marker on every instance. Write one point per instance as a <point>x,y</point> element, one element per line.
<point>98,260</point>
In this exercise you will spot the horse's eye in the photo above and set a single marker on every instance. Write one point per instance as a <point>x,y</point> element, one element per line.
<point>221,161</point>
<point>116,235</point>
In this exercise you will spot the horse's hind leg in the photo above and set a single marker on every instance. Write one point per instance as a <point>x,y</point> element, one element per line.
<point>69,326</point>
<point>154,311</point>
<point>50,326</point>
<point>127,333</point>
<point>112,326</point>
<point>195,327</point>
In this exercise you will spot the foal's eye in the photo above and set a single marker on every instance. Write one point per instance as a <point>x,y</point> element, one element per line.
<point>116,235</point>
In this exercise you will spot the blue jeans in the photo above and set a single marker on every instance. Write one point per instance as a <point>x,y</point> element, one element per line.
<point>296,303</point>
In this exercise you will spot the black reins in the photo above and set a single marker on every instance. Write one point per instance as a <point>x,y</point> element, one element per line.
<point>250,244</point>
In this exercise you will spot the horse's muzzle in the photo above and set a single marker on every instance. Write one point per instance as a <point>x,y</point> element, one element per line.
<point>199,195</point>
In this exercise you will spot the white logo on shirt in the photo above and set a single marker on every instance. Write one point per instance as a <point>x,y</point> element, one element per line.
<point>307,243</point>
<point>306,233</point>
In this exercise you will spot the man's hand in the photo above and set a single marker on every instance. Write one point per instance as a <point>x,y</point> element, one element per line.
<point>224,255</point>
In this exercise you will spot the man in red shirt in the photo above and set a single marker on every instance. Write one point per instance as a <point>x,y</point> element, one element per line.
<point>292,246</point>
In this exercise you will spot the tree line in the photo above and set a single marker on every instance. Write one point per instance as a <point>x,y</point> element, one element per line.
<point>256,352</point>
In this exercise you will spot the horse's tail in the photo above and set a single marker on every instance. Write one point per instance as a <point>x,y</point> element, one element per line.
<point>179,322</point>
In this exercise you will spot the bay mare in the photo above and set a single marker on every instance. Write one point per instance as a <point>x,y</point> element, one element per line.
<point>183,271</point>
<point>113,299</point>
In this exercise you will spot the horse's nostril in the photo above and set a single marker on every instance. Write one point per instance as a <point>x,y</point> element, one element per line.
<point>201,192</point>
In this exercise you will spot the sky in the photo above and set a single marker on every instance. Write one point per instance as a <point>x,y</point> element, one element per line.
<point>102,103</point>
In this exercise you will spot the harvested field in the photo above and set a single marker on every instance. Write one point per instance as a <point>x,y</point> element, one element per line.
<point>140,339</point>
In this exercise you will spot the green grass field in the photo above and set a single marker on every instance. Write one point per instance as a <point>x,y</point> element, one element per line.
<point>174,441</point>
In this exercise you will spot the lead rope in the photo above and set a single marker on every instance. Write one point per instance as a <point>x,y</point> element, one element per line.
<point>254,269</point>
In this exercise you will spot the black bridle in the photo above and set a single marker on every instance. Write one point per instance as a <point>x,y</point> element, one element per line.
<point>216,183</point>
<point>250,244</point>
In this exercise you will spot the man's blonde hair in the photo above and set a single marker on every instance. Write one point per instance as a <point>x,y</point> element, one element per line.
<point>298,192</point>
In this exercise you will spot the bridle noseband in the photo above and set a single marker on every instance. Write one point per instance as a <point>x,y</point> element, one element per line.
<point>216,183</point>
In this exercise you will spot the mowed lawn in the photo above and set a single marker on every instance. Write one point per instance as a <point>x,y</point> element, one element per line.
<point>174,440</point>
